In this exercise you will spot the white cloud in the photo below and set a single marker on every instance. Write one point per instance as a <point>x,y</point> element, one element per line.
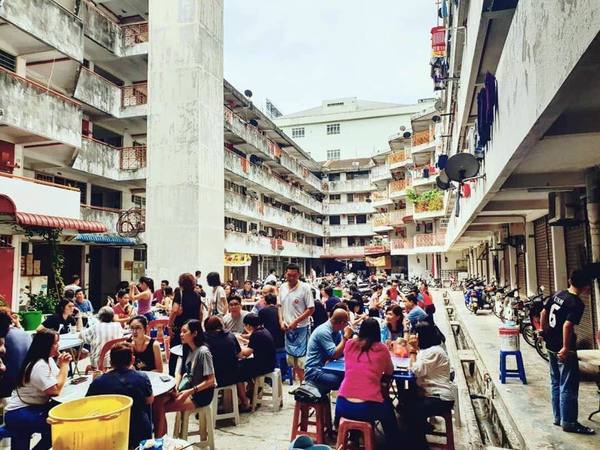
<point>299,52</point>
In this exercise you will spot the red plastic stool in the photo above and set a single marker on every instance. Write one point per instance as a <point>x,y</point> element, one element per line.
<point>321,423</point>
<point>347,425</point>
<point>448,433</point>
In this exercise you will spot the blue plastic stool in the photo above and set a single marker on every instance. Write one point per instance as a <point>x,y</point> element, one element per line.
<point>512,373</point>
<point>4,433</point>
<point>287,372</point>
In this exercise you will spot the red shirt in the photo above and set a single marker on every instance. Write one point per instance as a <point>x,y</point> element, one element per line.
<point>393,294</point>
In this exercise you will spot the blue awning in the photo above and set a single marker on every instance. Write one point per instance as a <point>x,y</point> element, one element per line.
<point>108,239</point>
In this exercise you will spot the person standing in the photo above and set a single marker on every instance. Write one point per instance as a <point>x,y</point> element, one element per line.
<point>560,315</point>
<point>75,284</point>
<point>271,278</point>
<point>297,305</point>
<point>218,301</point>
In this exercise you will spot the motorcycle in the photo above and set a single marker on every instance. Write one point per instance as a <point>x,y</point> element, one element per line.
<point>531,324</point>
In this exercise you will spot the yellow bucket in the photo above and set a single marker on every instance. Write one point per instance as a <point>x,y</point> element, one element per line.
<point>92,423</point>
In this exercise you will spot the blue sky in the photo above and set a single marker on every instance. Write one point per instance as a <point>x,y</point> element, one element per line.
<point>299,52</point>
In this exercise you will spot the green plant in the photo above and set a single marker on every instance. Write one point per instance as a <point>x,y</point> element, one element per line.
<point>431,200</point>
<point>41,302</point>
<point>52,237</point>
<point>412,195</point>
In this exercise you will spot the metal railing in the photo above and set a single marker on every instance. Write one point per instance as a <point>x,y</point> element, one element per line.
<point>134,94</point>
<point>398,156</point>
<point>421,137</point>
<point>380,171</point>
<point>135,33</point>
<point>397,186</point>
<point>132,158</point>
<point>429,240</point>
<point>397,244</point>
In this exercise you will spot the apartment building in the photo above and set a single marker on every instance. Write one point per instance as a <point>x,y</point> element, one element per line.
<point>346,128</point>
<point>74,109</point>
<point>525,103</point>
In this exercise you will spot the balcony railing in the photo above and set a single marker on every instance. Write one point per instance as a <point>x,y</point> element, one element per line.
<point>344,252</point>
<point>429,240</point>
<point>398,157</point>
<point>269,180</point>
<point>40,88</point>
<point>347,208</point>
<point>397,186</point>
<point>398,244</point>
<point>132,158</point>
<point>299,170</point>
<point>135,33</point>
<point>251,134</point>
<point>380,172</point>
<point>260,245</point>
<point>396,217</point>
<point>418,176</point>
<point>356,185</point>
<point>134,94</point>
<point>380,220</point>
<point>421,137</point>
<point>357,229</point>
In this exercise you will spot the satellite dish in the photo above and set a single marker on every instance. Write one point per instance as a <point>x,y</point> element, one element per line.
<point>254,122</point>
<point>407,134</point>
<point>442,181</point>
<point>438,105</point>
<point>436,119</point>
<point>462,166</point>
<point>248,93</point>
<point>402,128</point>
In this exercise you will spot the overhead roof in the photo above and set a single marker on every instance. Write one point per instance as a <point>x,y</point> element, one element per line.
<point>348,164</point>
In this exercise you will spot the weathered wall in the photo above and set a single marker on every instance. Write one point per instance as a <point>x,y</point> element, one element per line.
<point>48,22</point>
<point>102,160</point>
<point>29,108</point>
<point>185,138</point>
<point>100,29</point>
<point>98,92</point>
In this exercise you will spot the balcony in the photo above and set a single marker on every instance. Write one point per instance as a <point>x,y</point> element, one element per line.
<point>107,216</point>
<point>246,207</point>
<point>98,92</point>
<point>397,189</point>
<point>380,173</point>
<point>419,243</point>
<point>34,108</point>
<point>343,252</point>
<point>400,245</point>
<point>46,21</point>
<point>422,142</point>
<point>356,229</point>
<point>135,38</point>
<point>356,185</point>
<point>40,197</point>
<point>347,208</point>
<point>258,245</point>
<point>115,163</point>
<point>429,240</point>
<point>381,199</point>
<point>396,218</point>
<point>381,223</point>
<point>301,172</point>
<point>398,159</point>
<point>424,211</point>
<point>251,135</point>
<point>134,100</point>
<point>418,176</point>
<point>265,179</point>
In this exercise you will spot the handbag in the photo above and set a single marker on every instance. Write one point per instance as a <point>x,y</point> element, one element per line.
<point>186,379</point>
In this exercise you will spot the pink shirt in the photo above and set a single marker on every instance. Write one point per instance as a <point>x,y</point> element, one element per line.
<point>364,371</point>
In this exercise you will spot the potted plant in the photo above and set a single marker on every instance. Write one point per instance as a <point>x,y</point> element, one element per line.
<point>38,305</point>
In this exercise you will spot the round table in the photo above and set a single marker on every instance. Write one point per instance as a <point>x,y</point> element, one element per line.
<point>77,391</point>
<point>177,350</point>
<point>69,340</point>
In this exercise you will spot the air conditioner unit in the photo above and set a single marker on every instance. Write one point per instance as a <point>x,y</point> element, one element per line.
<point>562,209</point>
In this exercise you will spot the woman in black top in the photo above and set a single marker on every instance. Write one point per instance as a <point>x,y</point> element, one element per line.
<point>187,304</point>
<point>225,350</point>
<point>145,349</point>
<point>62,320</point>
<point>269,316</point>
<point>262,348</point>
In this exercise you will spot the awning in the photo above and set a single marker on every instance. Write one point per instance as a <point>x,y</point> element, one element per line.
<point>38,220</point>
<point>110,239</point>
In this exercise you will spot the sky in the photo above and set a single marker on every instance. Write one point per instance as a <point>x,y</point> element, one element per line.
<point>300,52</point>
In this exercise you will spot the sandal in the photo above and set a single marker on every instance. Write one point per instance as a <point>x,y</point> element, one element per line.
<point>579,429</point>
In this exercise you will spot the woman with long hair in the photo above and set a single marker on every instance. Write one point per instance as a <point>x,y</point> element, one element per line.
<point>187,304</point>
<point>63,319</point>
<point>143,295</point>
<point>146,349</point>
<point>218,302</point>
<point>394,323</point>
<point>196,381</point>
<point>367,360</point>
<point>40,378</point>
<point>123,309</point>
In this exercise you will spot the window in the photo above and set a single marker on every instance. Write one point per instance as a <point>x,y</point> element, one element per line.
<point>8,61</point>
<point>334,177</point>
<point>361,218</point>
<point>298,132</point>
<point>334,220</point>
<point>65,182</point>
<point>334,198</point>
<point>351,220</point>
<point>333,154</point>
<point>350,198</point>
<point>235,225</point>
<point>333,128</point>
<point>139,201</point>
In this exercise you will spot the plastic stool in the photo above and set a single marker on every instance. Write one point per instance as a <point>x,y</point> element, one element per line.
<point>448,433</point>
<point>230,403</point>
<point>287,372</point>
<point>276,397</point>
<point>206,429</point>
<point>511,373</point>
<point>347,425</point>
<point>5,437</point>
<point>322,422</point>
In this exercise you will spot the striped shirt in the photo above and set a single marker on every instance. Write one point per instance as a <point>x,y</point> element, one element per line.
<point>97,336</point>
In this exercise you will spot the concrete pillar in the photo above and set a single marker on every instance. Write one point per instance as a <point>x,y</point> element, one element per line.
<point>559,259</point>
<point>531,266</point>
<point>185,138</point>
<point>592,189</point>
<point>512,266</point>
<point>16,285</point>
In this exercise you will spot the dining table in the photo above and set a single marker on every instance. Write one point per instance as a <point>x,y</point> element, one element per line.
<point>402,375</point>
<point>161,384</point>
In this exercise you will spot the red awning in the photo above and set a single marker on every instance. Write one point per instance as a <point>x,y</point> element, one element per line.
<point>38,220</point>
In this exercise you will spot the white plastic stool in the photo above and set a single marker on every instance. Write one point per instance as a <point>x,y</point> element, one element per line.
<point>230,403</point>
<point>206,426</point>
<point>276,394</point>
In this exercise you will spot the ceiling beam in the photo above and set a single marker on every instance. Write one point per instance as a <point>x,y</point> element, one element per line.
<point>497,220</point>
<point>550,181</point>
<point>516,205</point>
<point>480,227</point>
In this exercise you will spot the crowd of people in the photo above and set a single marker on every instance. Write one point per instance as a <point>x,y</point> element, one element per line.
<point>230,334</point>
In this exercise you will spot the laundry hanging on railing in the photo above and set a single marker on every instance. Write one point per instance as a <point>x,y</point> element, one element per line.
<point>439,72</point>
<point>487,105</point>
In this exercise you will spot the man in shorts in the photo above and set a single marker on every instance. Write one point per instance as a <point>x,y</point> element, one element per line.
<point>297,305</point>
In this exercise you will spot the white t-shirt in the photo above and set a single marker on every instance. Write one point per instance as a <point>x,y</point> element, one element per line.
<point>43,376</point>
<point>295,301</point>
<point>432,368</point>
<point>271,277</point>
<point>218,301</point>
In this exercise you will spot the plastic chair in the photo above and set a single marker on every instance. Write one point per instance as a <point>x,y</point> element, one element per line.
<point>230,402</point>
<point>321,424</point>
<point>347,425</point>
<point>105,349</point>
<point>206,428</point>
<point>276,397</point>
<point>448,433</point>
<point>162,334</point>
<point>512,373</point>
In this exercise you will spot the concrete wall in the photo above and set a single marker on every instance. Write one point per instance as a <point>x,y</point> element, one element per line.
<point>185,138</point>
<point>48,22</point>
<point>95,91</point>
<point>26,107</point>
<point>102,160</point>
<point>100,29</point>
<point>546,40</point>
<point>259,245</point>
